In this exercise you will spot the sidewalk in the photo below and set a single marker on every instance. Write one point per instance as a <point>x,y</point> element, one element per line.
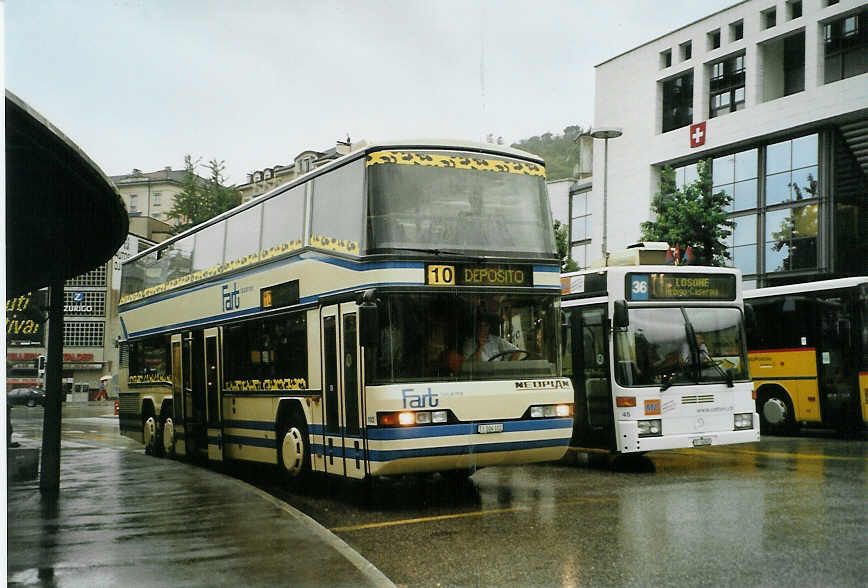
<point>126,519</point>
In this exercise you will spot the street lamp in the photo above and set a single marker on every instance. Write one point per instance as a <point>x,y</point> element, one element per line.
<point>605,133</point>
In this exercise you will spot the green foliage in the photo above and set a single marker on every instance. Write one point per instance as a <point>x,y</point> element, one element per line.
<point>562,238</point>
<point>560,152</point>
<point>202,199</point>
<point>691,216</point>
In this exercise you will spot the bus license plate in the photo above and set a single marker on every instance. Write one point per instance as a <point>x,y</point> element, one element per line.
<point>700,441</point>
<point>490,428</point>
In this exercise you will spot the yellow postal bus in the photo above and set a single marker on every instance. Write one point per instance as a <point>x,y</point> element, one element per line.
<point>809,354</point>
<point>394,311</point>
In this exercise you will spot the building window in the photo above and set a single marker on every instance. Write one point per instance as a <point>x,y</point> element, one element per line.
<point>83,303</point>
<point>677,102</point>
<point>580,228</point>
<point>714,39</point>
<point>743,243</point>
<point>95,278</point>
<point>83,333</point>
<point>156,198</point>
<point>726,86</point>
<point>686,50</point>
<point>736,31</point>
<point>846,47</point>
<point>794,9</point>
<point>665,59</point>
<point>736,174</point>
<point>134,203</point>
<point>769,18</point>
<point>791,170</point>
<point>783,61</point>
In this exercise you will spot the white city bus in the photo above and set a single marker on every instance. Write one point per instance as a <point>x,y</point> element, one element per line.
<point>657,357</point>
<point>331,324</point>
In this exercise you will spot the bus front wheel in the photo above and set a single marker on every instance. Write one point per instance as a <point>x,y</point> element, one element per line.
<point>776,413</point>
<point>294,458</point>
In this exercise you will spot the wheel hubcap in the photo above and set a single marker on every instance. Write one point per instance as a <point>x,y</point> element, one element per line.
<point>150,432</point>
<point>775,411</point>
<point>169,436</point>
<point>292,450</point>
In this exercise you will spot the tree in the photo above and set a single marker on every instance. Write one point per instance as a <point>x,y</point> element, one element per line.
<point>560,152</point>
<point>562,238</point>
<point>202,199</point>
<point>691,216</point>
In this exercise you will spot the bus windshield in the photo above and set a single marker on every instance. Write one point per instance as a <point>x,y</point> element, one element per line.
<point>455,336</point>
<point>679,345</point>
<point>493,209</point>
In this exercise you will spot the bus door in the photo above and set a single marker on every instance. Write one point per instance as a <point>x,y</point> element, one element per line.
<point>213,388</point>
<point>193,375</point>
<point>836,361</point>
<point>343,446</point>
<point>594,421</point>
<point>177,391</point>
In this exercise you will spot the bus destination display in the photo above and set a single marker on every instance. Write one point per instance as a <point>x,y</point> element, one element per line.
<point>285,294</point>
<point>478,275</point>
<point>660,286</point>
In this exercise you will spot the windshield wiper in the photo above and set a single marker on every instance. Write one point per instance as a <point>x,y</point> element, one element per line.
<point>727,376</point>
<point>432,250</point>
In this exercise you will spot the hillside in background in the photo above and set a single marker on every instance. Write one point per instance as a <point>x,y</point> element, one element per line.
<point>560,152</point>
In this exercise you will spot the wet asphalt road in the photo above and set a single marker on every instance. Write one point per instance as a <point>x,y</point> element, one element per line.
<point>784,511</point>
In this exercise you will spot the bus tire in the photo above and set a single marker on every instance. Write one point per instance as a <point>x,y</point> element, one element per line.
<point>149,430</point>
<point>293,449</point>
<point>169,438</point>
<point>775,411</point>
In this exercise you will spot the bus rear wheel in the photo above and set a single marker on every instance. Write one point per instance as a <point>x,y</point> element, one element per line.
<point>294,450</point>
<point>169,437</point>
<point>149,433</point>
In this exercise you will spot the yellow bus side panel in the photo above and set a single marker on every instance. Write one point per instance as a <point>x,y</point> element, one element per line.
<point>794,370</point>
<point>863,393</point>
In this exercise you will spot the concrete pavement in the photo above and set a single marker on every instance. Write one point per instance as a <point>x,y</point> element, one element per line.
<point>127,519</point>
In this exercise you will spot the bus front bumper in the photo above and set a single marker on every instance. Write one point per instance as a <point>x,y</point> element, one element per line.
<point>629,440</point>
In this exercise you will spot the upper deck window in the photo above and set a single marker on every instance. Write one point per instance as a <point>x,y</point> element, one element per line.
<point>467,202</point>
<point>337,209</point>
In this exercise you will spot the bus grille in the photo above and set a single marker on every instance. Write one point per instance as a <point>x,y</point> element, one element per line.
<point>128,403</point>
<point>701,399</point>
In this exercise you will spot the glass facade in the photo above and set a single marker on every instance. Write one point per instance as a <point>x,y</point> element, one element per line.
<point>677,102</point>
<point>779,208</point>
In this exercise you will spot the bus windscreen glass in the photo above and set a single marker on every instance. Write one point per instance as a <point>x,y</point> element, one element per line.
<point>460,336</point>
<point>680,346</point>
<point>462,202</point>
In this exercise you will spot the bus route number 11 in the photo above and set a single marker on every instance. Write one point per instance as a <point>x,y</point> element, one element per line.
<point>441,275</point>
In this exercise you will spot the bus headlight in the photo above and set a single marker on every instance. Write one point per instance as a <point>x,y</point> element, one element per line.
<point>743,421</point>
<point>652,428</point>
<point>548,411</point>
<point>409,418</point>
<point>406,418</point>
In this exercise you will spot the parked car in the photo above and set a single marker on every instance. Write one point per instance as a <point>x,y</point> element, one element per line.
<point>25,397</point>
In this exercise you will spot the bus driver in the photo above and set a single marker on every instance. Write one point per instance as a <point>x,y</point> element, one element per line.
<point>486,346</point>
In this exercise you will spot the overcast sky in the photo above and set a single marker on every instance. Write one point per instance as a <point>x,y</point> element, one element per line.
<point>140,83</point>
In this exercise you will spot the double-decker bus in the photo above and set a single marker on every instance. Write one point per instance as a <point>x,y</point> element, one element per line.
<point>808,352</point>
<point>395,311</point>
<point>657,357</point>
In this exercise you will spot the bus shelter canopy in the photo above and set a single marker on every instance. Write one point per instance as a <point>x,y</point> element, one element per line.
<point>64,217</point>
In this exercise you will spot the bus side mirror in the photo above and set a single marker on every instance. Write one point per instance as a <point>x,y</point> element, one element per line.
<point>369,324</point>
<point>620,320</point>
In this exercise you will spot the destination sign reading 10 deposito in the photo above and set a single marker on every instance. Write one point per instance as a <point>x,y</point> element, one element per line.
<point>478,275</point>
<point>680,287</point>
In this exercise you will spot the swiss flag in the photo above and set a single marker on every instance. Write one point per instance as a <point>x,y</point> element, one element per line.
<point>697,135</point>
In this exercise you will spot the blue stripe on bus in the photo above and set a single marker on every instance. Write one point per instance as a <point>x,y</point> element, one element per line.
<point>355,265</point>
<point>255,425</point>
<point>464,429</point>
<point>390,455</point>
<point>251,441</point>
<point>553,269</point>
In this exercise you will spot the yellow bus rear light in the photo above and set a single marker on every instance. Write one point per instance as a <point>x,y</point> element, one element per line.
<point>625,401</point>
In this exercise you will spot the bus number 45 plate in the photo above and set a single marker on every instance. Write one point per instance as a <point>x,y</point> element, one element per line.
<point>490,428</point>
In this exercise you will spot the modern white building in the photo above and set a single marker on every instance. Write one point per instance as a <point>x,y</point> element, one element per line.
<point>775,94</point>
